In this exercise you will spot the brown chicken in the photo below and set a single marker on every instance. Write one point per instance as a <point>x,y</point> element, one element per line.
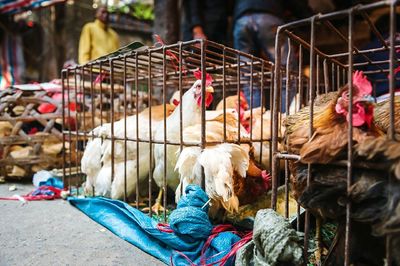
<point>375,209</point>
<point>157,111</point>
<point>383,150</point>
<point>240,105</point>
<point>329,141</point>
<point>232,102</point>
<point>372,207</point>
<point>256,183</point>
<point>381,115</point>
<point>330,124</point>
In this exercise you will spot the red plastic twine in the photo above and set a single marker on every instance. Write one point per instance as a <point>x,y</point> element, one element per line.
<point>246,237</point>
<point>164,228</point>
<point>30,196</point>
<point>174,60</point>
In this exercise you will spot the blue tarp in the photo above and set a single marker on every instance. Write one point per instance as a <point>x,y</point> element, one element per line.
<point>190,224</point>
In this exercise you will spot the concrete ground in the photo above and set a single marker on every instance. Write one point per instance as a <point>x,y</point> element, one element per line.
<point>56,233</point>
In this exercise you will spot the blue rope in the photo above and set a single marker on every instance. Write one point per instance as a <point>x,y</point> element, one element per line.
<point>190,219</point>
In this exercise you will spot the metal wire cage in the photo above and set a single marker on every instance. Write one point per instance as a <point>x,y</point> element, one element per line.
<point>324,67</point>
<point>118,87</point>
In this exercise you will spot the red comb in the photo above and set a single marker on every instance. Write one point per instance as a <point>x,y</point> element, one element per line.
<point>175,102</point>
<point>174,59</point>
<point>158,39</point>
<point>198,75</point>
<point>100,78</point>
<point>243,100</point>
<point>267,179</point>
<point>362,83</point>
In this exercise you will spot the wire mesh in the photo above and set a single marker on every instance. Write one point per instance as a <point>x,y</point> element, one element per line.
<point>123,105</point>
<point>314,83</point>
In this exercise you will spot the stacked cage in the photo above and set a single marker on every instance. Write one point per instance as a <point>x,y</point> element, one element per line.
<point>30,130</point>
<point>146,115</point>
<point>341,168</point>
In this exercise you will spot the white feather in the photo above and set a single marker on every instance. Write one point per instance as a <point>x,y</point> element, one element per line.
<point>219,162</point>
<point>190,116</point>
<point>90,162</point>
<point>187,161</point>
<point>99,150</point>
<point>103,181</point>
<point>218,171</point>
<point>262,130</point>
<point>240,156</point>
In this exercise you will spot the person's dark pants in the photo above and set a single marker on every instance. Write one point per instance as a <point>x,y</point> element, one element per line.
<point>255,34</point>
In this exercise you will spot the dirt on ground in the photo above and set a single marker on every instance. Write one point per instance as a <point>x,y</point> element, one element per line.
<point>56,233</point>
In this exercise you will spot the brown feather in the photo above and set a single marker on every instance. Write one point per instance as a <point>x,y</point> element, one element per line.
<point>381,150</point>
<point>381,115</point>
<point>157,111</point>
<point>330,133</point>
<point>230,102</point>
<point>248,189</point>
<point>327,194</point>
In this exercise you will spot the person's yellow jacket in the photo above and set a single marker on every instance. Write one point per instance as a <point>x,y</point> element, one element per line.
<point>96,40</point>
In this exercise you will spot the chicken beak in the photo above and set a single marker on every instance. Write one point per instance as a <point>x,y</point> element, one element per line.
<point>209,89</point>
<point>367,98</point>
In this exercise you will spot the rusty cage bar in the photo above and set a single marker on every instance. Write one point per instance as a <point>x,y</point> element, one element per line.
<point>114,108</point>
<point>329,68</point>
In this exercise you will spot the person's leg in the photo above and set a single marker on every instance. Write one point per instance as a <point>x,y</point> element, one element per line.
<point>242,34</point>
<point>267,26</point>
<point>243,40</point>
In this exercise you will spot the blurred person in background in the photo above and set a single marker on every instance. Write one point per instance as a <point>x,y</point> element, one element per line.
<point>12,62</point>
<point>255,23</point>
<point>97,38</point>
<point>205,19</point>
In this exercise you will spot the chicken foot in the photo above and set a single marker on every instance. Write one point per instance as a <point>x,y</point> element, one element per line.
<point>157,207</point>
<point>318,251</point>
<point>139,204</point>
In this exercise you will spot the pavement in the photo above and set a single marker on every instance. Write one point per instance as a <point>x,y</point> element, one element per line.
<point>56,233</point>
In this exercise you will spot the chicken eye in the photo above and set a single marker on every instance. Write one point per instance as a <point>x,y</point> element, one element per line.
<point>198,88</point>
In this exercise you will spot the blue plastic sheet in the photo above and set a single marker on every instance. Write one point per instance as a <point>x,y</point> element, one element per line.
<point>54,182</point>
<point>189,221</point>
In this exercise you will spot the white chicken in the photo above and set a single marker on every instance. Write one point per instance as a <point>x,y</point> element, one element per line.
<point>191,106</point>
<point>262,148</point>
<point>220,162</point>
<point>262,132</point>
<point>96,160</point>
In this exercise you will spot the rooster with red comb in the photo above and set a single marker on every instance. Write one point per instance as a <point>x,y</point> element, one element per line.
<point>331,121</point>
<point>329,140</point>
<point>191,115</point>
<point>327,193</point>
